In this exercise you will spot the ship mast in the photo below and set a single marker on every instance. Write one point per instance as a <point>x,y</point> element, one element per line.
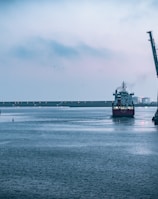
<point>153,51</point>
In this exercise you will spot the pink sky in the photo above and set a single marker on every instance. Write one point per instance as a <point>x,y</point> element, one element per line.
<point>76,50</point>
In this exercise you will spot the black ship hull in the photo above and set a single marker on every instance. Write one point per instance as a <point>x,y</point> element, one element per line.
<point>122,112</point>
<point>155,118</point>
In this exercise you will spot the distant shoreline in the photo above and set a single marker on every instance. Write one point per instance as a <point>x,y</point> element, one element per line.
<point>65,103</point>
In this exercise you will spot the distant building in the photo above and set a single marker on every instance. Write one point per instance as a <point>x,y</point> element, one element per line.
<point>137,100</point>
<point>145,100</point>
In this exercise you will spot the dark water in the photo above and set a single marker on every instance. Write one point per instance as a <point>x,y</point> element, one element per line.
<point>80,153</point>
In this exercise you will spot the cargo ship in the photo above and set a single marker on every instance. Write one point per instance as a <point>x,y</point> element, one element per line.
<point>123,105</point>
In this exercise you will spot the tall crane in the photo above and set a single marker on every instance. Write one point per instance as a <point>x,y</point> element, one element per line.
<point>151,39</point>
<point>153,51</point>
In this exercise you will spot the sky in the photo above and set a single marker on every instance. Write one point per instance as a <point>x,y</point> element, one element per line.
<point>76,49</point>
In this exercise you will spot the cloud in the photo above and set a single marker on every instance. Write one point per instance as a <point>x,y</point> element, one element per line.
<point>62,50</point>
<point>37,49</point>
<point>96,40</point>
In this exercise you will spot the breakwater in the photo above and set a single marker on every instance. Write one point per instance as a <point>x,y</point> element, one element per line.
<point>56,103</point>
<point>64,103</point>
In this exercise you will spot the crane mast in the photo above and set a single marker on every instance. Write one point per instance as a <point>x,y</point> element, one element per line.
<point>155,117</point>
<point>153,51</point>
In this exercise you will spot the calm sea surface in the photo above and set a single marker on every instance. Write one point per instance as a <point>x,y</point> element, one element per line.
<point>80,153</point>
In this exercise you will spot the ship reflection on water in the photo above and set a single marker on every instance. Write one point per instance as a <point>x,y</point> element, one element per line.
<point>123,121</point>
<point>123,124</point>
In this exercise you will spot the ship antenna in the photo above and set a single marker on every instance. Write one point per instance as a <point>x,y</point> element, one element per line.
<point>123,86</point>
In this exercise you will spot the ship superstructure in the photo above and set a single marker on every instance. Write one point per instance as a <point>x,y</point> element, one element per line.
<point>123,105</point>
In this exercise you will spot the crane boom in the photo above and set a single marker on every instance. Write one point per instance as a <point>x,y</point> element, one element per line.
<point>153,50</point>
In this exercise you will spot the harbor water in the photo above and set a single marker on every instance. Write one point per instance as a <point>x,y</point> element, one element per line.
<point>77,153</point>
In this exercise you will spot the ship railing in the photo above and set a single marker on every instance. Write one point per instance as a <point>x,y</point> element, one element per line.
<point>123,107</point>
